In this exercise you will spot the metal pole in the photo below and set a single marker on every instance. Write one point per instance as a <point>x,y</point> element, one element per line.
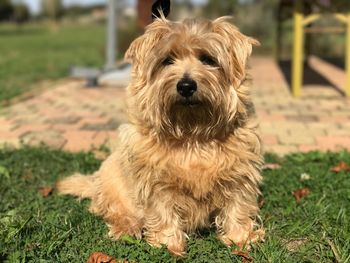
<point>111,46</point>
<point>347,59</point>
<point>298,50</point>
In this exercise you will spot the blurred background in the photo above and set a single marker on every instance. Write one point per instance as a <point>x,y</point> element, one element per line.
<point>40,41</point>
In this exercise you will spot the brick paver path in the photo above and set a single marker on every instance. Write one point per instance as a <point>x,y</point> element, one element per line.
<point>320,120</point>
<point>69,116</point>
<point>75,118</point>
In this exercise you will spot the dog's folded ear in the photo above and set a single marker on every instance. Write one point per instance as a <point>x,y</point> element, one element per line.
<point>144,45</point>
<point>134,49</point>
<point>238,45</point>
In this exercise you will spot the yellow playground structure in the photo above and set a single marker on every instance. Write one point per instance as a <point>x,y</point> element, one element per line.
<point>305,13</point>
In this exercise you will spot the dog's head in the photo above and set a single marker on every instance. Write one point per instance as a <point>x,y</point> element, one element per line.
<point>187,76</point>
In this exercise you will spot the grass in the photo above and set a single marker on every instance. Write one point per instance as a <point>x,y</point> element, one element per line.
<point>60,229</point>
<point>35,52</point>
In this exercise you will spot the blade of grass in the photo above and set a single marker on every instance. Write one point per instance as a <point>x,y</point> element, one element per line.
<point>334,250</point>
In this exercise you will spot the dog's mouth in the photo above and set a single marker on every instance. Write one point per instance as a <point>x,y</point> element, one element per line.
<point>189,102</point>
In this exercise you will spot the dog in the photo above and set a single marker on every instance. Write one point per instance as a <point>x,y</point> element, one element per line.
<point>190,156</point>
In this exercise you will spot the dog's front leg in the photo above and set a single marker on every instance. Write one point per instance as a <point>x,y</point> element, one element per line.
<point>235,225</point>
<point>162,226</point>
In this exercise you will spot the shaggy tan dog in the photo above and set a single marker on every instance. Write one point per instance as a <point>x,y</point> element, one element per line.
<point>190,155</point>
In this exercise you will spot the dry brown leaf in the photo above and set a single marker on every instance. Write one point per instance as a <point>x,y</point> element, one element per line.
<point>99,257</point>
<point>246,257</point>
<point>46,191</point>
<point>301,193</point>
<point>294,244</point>
<point>271,166</point>
<point>342,166</point>
<point>27,175</point>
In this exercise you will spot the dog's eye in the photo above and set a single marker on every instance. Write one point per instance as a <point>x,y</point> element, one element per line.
<point>167,61</point>
<point>207,60</point>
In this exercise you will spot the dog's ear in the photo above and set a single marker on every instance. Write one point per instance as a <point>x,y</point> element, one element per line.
<point>239,46</point>
<point>160,8</point>
<point>145,44</point>
<point>134,50</point>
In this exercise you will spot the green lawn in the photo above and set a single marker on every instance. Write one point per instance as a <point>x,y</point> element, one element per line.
<point>60,229</point>
<point>34,52</point>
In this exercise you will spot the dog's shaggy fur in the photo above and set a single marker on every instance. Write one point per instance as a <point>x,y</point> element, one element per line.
<point>183,163</point>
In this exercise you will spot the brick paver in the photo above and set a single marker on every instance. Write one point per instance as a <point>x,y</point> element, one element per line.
<point>319,120</point>
<point>76,118</point>
<point>68,116</point>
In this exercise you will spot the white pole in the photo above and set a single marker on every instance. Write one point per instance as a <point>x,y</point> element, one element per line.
<point>111,46</point>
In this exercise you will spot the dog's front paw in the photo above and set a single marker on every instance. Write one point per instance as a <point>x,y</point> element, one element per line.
<point>242,238</point>
<point>174,240</point>
<point>125,226</point>
<point>116,232</point>
<point>177,248</point>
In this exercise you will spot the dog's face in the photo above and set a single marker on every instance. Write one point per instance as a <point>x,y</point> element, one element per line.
<point>186,77</point>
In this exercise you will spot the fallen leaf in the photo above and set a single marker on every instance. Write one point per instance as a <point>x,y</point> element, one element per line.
<point>246,257</point>
<point>305,177</point>
<point>301,193</point>
<point>271,166</point>
<point>27,175</point>
<point>342,166</point>
<point>129,239</point>
<point>294,244</point>
<point>99,257</point>
<point>46,191</point>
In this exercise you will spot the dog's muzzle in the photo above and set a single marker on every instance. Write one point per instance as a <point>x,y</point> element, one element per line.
<point>186,87</point>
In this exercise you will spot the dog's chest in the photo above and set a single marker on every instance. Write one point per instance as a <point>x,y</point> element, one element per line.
<point>193,171</point>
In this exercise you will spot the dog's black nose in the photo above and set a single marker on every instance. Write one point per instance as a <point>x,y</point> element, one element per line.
<point>186,87</point>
